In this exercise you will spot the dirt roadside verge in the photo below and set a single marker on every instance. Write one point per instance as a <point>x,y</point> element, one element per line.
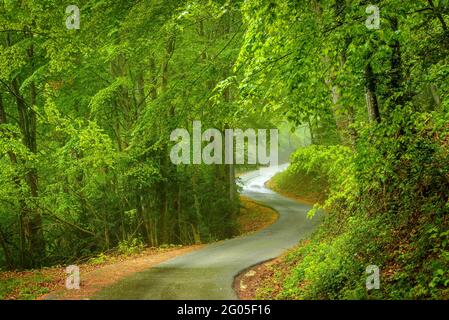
<point>93,281</point>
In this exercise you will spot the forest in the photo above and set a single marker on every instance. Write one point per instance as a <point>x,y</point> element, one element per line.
<point>89,98</point>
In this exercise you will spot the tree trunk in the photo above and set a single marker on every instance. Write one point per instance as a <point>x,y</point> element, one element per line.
<point>6,251</point>
<point>371,95</point>
<point>3,241</point>
<point>31,222</point>
<point>396,72</point>
<point>164,196</point>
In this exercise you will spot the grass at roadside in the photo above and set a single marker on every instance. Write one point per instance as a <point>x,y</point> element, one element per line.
<point>272,276</point>
<point>254,216</point>
<point>302,186</point>
<point>27,285</point>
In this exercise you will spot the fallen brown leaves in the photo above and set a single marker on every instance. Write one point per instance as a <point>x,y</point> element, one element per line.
<point>254,217</point>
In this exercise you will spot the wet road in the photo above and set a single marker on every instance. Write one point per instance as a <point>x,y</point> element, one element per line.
<point>209,272</point>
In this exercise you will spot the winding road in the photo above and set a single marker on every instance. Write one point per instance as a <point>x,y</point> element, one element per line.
<point>209,272</point>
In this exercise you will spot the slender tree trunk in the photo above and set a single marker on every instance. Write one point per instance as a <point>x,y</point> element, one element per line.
<point>436,98</point>
<point>343,115</point>
<point>30,218</point>
<point>312,136</point>
<point>396,72</point>
<point>3,241</point>
<point>23,208</point>
<point>164,196</point>
<point>37,243</point>
<point>6,251</point>
<point>371,95</point>
<point>140,100</point>
<point>196,203</point>
<point>230,168</point>
<point>153,70</point>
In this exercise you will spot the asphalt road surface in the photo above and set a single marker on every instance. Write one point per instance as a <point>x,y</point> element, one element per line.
<point>209,273</point>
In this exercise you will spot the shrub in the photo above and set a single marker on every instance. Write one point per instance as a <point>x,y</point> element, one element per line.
<point>130,247</point>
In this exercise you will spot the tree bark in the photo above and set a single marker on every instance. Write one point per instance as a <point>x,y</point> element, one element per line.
<point>2,236</point>
<point>371,95</point>
<point>396,72</point>
<point>6,251</point>
<point>164,188</point>
<point>31,221</point>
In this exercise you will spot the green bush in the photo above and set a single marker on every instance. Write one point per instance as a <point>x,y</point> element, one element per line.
<point>99,259</point>
<point>130,247</point>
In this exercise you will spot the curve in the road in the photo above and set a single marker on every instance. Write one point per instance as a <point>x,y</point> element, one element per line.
<point>209,272</point>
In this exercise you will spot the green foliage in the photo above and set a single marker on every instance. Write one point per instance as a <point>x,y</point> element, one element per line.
<point>85,123</point>
<point>333,164</point>
<point>130,247</point>
<point>307,186</point>
<point>98,259</point>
